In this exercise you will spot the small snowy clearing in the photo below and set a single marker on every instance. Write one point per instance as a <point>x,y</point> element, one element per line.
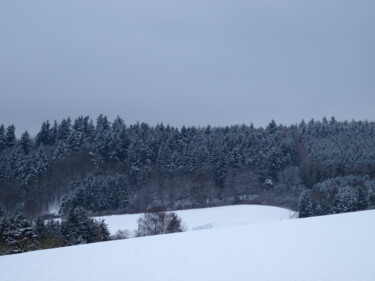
<point>215,217</point>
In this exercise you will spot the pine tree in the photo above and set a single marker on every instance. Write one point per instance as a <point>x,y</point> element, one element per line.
<point>10,136</point>
<point>64,129</point>
<point>25,142</point>
<point>77,228</point>
<point>272,127</point>
<point>305,207</point>
<point>103,137</point>
<point>84,126</point>
<point>44,136</point>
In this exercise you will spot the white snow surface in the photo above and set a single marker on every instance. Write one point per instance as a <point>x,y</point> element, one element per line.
<point>196,219</point>
<point>329,248</point>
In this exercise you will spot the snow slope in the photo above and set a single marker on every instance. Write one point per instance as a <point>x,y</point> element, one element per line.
<point>329,248</point>
<point>209,217</point>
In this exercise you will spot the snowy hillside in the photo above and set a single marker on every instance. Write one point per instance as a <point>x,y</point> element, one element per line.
<point>329,248</point>
<point>196,219</point>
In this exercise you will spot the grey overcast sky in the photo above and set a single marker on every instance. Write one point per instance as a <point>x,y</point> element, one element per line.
<point>186,62</point>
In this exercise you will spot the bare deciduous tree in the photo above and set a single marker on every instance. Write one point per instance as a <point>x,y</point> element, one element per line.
<point>154,223</point>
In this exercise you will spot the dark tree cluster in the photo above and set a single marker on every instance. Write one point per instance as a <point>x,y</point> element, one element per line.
<point>97,194</point>
<point>19,233</point>
<point>338,195</point>
<point>330,149</point>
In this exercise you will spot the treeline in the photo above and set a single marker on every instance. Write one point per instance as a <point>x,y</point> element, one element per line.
<point>19,233</point>
<point>172,150</point>
<point>106,166</point>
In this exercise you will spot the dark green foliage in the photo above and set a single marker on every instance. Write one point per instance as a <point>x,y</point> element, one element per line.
<point>345,200</point>
<point>19,234</point>
<point>64,129</point>
<point>46,135</point>
<point>305,208</point>
<point>10,136</point>
<point>98,193</point>
<point>61,150</point>
<point>333,149</point>
<point>338,195</point>
<point>16,235</point>
<point>78,228</point>
<point>25,143</point>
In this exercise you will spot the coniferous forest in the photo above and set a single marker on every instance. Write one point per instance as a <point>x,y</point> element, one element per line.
<point>316,167</point>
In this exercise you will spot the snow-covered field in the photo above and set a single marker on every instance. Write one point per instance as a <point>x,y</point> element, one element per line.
<point>329,248</point>
<point>196,219</point>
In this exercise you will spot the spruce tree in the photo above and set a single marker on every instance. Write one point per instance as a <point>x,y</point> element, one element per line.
<point>78,228</point>
<point>305,207</point>
<point>64,129</point>
<point>25,142</point>
<point>10,136</point>
<point>44,136</point>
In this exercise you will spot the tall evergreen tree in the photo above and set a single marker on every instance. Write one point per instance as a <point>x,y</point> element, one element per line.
<point>26,143</point>
<point>44,136</point>
<point>78,228</point>
<point>305,207</point>
<point>10,136</point>
<point>63,131</point>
